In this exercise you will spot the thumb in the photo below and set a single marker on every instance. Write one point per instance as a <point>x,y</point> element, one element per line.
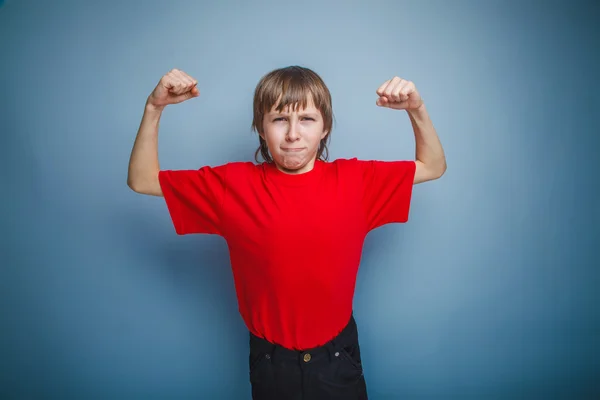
<point>186,96</point>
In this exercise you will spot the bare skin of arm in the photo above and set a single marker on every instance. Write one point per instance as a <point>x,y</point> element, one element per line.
<point>174,87</point>
<point>430,160</point>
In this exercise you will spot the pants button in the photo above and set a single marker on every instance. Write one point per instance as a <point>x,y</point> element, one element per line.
<point>307,357</point>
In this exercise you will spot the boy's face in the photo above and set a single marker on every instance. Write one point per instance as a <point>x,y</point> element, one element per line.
<point>293,137</point>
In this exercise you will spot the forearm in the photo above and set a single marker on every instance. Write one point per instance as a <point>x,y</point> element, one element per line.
<point>143,164</point>
<point>429,149</point>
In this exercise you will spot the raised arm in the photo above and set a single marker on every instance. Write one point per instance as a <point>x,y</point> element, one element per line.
<point>400,94</point>
<point>174,87</point>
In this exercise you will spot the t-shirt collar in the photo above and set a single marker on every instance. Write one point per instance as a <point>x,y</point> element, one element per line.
<point>274,174</point>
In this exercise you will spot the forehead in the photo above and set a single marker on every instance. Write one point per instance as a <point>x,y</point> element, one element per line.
<point>307,105</point>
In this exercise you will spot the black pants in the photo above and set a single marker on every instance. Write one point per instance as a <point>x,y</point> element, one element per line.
<point>331,371</point>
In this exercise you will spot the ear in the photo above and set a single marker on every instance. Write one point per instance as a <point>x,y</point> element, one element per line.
<point>324,134</point>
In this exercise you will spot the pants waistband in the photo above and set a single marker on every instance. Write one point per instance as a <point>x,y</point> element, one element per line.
<point>347,337</point>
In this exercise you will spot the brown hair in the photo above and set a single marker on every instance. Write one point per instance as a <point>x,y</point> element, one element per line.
<point>293,85</point>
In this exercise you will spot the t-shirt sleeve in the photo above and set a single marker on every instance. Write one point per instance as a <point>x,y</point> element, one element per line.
<point>387,191</point>
<point>194,198</point>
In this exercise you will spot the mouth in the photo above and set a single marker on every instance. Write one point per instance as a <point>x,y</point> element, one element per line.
<point>292,149</point>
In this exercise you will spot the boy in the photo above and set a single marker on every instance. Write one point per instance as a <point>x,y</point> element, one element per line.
<point>294,224</point>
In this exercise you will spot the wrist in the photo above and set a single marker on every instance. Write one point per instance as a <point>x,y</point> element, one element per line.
<point>150,107</point>
<point>417,111</point>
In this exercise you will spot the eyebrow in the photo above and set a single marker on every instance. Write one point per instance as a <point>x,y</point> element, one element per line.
<point>309,114</point>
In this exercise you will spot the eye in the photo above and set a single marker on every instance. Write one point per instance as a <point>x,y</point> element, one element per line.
<point>309,118</point>
<point>278,119</point>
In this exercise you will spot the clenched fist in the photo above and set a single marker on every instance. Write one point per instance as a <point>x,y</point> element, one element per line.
<point>176,86</point>
<point>399,94</point>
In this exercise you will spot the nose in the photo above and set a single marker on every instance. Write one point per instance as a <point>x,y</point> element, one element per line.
<point>292,134</point>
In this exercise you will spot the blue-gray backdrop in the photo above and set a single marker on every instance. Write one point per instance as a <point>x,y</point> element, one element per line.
<point>489,292</point>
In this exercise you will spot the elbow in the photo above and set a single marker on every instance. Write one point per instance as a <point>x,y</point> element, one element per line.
<point>131,182</point>
<point>435,171</point>
<point>441,170</point>
<point>135,185</point>
<point>429,172</point>
<point>132,185</point>
<point>148,186</point>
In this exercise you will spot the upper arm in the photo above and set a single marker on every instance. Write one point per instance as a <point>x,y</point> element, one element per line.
<point>150,187</point>
<point>194,198</point>
<point>424,174</point>
<point>386,191</point>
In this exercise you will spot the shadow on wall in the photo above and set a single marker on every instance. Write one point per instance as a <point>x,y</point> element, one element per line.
<point>196,266</point>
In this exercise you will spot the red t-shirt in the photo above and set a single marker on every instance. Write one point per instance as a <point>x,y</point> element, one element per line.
<point>295,241</point>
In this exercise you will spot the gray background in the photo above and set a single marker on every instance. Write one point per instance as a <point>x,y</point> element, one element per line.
<point>489,292</point>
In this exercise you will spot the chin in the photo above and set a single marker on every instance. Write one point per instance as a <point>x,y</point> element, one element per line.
<point>292,164</point>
